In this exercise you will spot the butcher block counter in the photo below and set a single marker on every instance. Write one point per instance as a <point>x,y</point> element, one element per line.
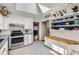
<point>64,40</point>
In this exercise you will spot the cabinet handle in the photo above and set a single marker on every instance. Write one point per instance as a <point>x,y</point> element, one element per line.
<point>3,51</point>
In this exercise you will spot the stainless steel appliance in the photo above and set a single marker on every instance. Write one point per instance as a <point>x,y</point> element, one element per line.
<point>17,36</point>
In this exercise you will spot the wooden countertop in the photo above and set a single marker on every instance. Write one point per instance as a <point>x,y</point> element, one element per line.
<point>63,40</point>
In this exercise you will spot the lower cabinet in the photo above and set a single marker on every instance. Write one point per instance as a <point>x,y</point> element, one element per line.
<point>48,42</point>
<point>4,49</point>
<point>75,53</point>
<point>28,39</point>
<point>25,39</point>
<point>55,45</point>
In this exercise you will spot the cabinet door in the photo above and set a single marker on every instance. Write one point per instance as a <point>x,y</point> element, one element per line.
<point>55,45</point>
<point>62,48</point>
<point>48,42</point>
<point>29,24</point>
<point>75,53</point>
<point>4,49</point>
<point>6,27</point>
<point>30,38</point>
<point>7,22</point>
<point>25,39</point>
<point>1,19</point>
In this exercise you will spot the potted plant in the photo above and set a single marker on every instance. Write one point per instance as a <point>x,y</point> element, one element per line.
<point>75,8</point>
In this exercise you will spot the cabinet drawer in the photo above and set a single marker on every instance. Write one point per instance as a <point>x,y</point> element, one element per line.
<point>58,49</point>
<point>4,49</point>
<point>48,42</point>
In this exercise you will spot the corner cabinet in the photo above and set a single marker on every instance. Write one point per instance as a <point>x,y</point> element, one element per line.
<point>4,49</point>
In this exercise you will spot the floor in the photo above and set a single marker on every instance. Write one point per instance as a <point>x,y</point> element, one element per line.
<point>37,48</point>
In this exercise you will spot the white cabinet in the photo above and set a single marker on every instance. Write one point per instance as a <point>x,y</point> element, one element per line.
<point>6,22</point>
<point>4,49</point>
<point>75,52</point>
<point>48,42</point>
<point>25,39</point>
<point>58,49</point>
<point>1,19</point>
<point>28,39</point>
<point>28,24</point>
<point>55,45</point>
<point>6,27</point>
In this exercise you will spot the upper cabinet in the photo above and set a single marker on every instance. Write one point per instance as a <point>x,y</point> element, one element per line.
<point>15,19</point>
<point>1,19</point>
<point>29,23</point>
<point>6,22</point>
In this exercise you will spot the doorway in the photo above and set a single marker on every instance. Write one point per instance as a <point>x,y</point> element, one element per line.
<point>36,31</point>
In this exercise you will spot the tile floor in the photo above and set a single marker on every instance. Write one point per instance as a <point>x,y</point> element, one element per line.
<point>37,48</point>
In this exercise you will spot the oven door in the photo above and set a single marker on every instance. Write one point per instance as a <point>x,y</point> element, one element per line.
<point>17,40</point>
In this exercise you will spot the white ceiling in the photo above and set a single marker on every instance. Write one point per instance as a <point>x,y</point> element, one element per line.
<point>53,5</point>
<point>33,9</point>
<point>12,6</point>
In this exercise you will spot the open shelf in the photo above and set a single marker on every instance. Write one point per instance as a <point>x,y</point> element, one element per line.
<point>76,25</point>
<point>63,21</point>
<point>68,22</point>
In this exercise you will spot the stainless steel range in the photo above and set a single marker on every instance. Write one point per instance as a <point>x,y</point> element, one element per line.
<point>17,36</point>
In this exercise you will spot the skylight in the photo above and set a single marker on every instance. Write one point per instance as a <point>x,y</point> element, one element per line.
<point>43,8</point>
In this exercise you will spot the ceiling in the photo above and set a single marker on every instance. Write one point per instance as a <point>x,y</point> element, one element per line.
<point>33,9</point>
<point>12,6</point>
<point>53,5</point>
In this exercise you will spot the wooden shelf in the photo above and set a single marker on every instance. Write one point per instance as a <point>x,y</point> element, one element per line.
<point>63,40</point>
<point>67,25</point>
<point>63,21</point>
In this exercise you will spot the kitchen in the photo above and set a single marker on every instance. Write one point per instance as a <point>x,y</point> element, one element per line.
<point>39,29</point>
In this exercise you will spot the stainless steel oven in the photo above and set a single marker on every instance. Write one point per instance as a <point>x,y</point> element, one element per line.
<point>17,37</point>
